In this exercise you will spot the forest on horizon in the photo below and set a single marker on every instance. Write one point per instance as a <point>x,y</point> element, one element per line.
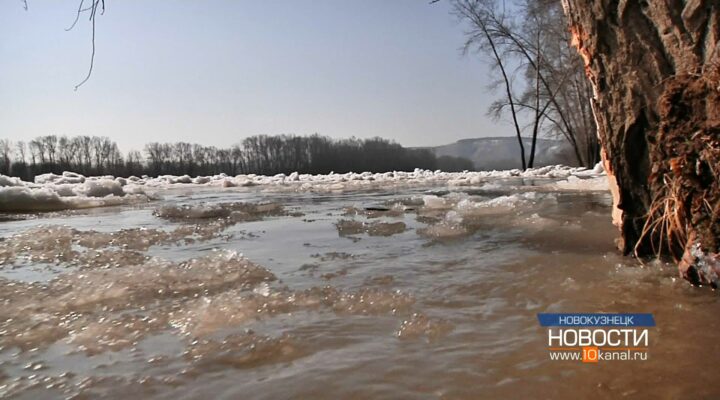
<point>260,154</point>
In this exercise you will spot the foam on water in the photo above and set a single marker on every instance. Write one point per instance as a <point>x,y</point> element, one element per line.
<point>419,325</point>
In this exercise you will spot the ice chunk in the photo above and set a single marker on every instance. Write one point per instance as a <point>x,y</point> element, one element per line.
<point>599,168</point>
<point>376,228</point>
<point>236,211</point>
<point>30,199</point>
<point>10,181</point>
<point>63,190</point>
<point>21,198</point>
<point>432,201</point>
<point>201,211</point>
<point>182,179</point>
<point>589,184</point>
<point>100,188</point>
<point>46,178</point>
<point>71,177</point>
<point>444,230</point>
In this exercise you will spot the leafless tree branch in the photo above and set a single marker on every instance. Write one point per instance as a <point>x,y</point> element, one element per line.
<point>77,16</point>
<point>93,14</point>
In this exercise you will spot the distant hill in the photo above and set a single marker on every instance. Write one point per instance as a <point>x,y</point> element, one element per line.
<point>504,152</point>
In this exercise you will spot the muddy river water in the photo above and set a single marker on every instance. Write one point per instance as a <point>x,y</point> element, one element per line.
<point>422,293</point>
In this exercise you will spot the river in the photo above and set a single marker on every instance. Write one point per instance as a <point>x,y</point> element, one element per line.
<point>424,292</point>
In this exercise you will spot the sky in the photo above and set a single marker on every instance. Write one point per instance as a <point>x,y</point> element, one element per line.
<point>214,72</point>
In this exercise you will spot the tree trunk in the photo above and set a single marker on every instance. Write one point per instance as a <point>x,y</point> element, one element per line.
<point>655,71</point>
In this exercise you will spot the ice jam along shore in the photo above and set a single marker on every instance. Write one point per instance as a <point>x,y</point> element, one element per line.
<point>52,192</point>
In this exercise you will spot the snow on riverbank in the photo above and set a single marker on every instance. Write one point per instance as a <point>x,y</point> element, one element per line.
<point>70,190</point>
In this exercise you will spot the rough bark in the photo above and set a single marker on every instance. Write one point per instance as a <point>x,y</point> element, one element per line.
<point>655,70</point>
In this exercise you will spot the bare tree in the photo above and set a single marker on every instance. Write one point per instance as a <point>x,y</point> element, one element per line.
<point>481,15</point>
<point>554,93</point>
<point>5,152</point>
<point>91,7</point>
<point>36,151</point>
<point>50,143</point>
<point>20,151</point>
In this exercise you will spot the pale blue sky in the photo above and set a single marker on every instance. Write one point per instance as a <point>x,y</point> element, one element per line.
<point>214,72</point>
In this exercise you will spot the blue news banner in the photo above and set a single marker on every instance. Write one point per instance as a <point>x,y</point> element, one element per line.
<point>597,319</point>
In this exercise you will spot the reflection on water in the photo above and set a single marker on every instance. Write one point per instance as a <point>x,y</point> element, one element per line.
<point>419,293</point>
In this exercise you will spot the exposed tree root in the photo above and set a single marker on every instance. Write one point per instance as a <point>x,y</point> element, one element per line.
<point>683,219</point>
